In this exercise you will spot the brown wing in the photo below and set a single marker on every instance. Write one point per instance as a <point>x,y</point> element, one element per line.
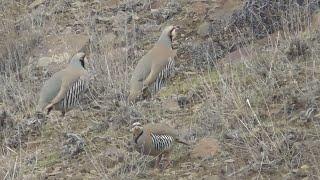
<point>160,56</point>
<point>70,75</point>
<point>161,129</point>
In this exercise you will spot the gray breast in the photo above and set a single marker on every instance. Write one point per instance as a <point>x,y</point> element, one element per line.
<point>165,73</point>
<point>161,142</point>
<point>72,96</point>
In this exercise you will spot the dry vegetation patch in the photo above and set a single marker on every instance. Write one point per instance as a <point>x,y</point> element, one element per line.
<point>262,109</point>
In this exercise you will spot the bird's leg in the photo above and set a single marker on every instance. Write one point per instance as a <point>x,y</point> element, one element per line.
<point>144,89</point>
<point>157,163</point>
<point>63,114</point>
<point>146,92</point>
<point>167,160</point>
<point>49,109</point>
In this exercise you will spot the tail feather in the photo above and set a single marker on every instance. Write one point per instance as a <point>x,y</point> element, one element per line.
<point>182,142</point>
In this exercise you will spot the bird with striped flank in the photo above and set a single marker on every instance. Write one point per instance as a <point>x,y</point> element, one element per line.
<point>155,140</point>
<point>63,90</point>
<point>154,68</point>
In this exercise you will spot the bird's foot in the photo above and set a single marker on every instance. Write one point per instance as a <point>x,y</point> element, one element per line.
<point>49,107</point>
<point>146,92</point>
<point>166,163</point>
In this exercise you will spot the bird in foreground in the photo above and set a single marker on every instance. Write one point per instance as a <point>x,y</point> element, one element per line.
<point>155,67</point>
<point>63,90</point>
<point>155,140</point>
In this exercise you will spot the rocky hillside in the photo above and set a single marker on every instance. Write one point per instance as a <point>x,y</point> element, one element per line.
<point>245,93</point>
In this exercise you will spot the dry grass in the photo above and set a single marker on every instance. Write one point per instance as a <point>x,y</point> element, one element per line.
<point>263,109</point>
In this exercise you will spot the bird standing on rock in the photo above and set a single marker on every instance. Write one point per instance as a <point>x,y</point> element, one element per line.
<point>155,140</point>
<point>63,90</point>
<point>155,67</point>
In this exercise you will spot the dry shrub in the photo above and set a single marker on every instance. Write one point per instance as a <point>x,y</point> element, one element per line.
<point>253,107</point>
<point>265,17</point>
<point>257,108</point>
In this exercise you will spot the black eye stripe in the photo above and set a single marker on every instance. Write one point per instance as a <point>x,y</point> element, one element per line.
<point>170,33</point>
<point>82,62</point>
<point>171,30</point>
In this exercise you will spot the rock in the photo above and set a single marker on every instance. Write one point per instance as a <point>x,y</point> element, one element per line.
<point>74,145</point>
<point>106,139</point>
<point>297,48</point>
<point>213,177</point>
<point>233,135</point>
<point>123,117</point>
<point>121,19</point>
<point>111,157</point>
<point>29,177</point>
<point>171,105</point>
<point>163,14</point>
<point>129,6</point>
<point>308,115</point>
<point>109,38</point>
<point>200,8</point>
<point>103,20</point>
<point>30,126</point>
<point>149,27</point>
<point>303,171</point>
<point>202,54</point>
<point>206,148</point>
<point>6,122</point>
<point>33,125</point>
<point>52,64</point>
<point>229,161</point>
<point>183,101</point>
<point>93,171</point>
<point>55,172</point>
<point>36,3</point>
<point>57,49</point>
<point>158,4</point>
<point>99,126</point>
<point>316,20</point>
<point>45,61</point>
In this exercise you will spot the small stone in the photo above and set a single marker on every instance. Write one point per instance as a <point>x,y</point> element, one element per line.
<point>171,105</point>
<point>103,20</point>
<point>106,139</point>
<point>205,148</point>
<point>109,37</point>
<point>74,144</point>
<point>183,101</point>
<point>204,29</point>
<point>304,170</point>
<point>45,61</point>
<point>93,172</point>
<point>233,134</point>
<point>111,157</point>
<point>213,177</point>
<point>36,3</point>
<point>229,161</point>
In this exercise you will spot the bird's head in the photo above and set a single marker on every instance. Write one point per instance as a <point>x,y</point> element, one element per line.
<point>171,31</point>
<point>78,59</point>
<point>136,129</point>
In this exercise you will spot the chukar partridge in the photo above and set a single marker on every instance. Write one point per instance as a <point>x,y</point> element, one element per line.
<point>63,90</point>
<point>155,67</point>
<point>155,140</point>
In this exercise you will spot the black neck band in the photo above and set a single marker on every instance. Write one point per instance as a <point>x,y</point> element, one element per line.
<point>136,139</point>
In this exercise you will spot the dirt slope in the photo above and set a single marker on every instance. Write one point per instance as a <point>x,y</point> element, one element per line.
<point>245,92</point>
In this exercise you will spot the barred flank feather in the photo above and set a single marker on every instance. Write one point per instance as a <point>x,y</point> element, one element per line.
<point>162,142</point>
<point>72,97</point>
<point>163,75</point>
